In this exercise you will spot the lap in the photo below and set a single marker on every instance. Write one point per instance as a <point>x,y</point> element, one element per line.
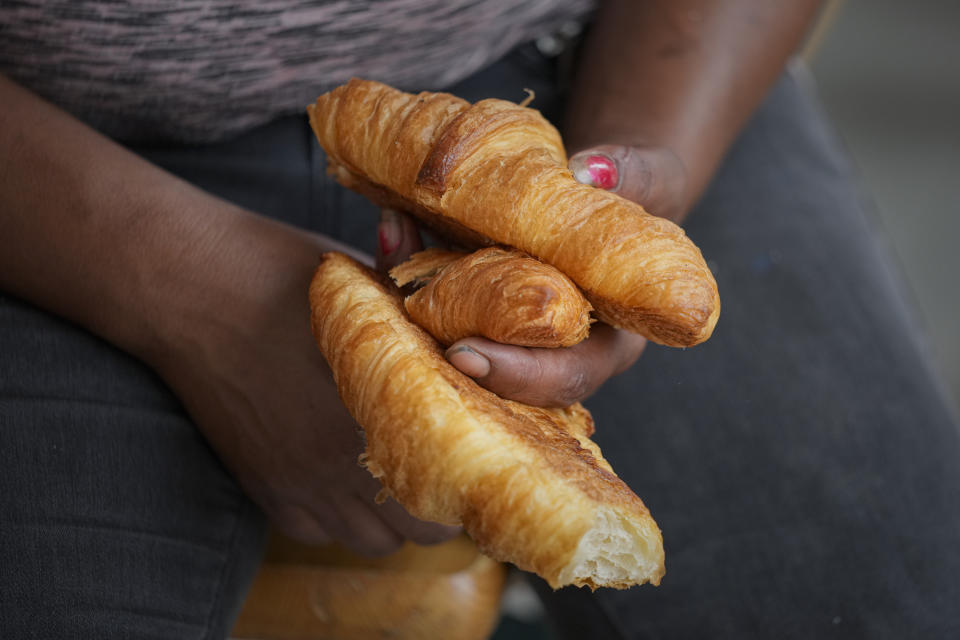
<point>803,464</point>
<point>116,520</point>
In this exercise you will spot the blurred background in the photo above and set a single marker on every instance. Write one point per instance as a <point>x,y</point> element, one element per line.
<point>888,73</point>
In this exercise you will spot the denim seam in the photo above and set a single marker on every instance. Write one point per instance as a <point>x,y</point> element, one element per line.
<point>27,397</point>
<point>224,570</point>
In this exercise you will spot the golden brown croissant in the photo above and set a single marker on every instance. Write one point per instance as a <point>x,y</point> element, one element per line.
<point>495,172</point>
<point>527,484</point>
<point>500,294</point>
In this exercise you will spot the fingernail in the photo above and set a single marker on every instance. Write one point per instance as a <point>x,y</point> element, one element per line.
<point>389,232</point>
<point>469,361</point>
<point>595,169</point>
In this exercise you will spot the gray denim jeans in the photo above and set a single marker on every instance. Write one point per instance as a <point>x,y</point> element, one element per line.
<point>803,464</point>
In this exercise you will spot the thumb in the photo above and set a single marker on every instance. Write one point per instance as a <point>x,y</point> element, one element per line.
<point>397,238</point>
<point>653,177</point>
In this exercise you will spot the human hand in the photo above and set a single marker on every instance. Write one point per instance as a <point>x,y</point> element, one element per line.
<point>653,177</point>
<point>246,367</point>
<point>547,377</point>
<point>211,297</point>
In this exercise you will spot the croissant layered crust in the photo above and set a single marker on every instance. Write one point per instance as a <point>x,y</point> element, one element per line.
<point>526,483</point>
<point>503,295</point>
<point>495,172</point>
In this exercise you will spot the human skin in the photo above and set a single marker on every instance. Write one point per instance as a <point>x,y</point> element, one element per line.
<point>212,297</point>
<point>662,89</point>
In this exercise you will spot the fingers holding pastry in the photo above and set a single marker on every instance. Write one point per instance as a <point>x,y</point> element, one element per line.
<point>358,523</point>
<point>370,535</point>
<point>414,529</point>
<point>397,238</point>
<point>343,519</point>
<point>495,172</point>
<point>653,177</point>
<point>547,377</point>
<point>300,523</point>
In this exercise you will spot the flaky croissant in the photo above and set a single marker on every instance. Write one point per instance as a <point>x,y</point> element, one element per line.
<point>500,294</point>
<point>495,172</point>
<point>527,484</point>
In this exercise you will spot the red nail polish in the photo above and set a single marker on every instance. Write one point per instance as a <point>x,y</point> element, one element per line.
<point>603,171</point>
<point>389,238</point>
<point>595,169</point>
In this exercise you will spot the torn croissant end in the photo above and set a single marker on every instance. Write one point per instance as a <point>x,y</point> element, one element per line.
<point>527,484</point>
<point>504,295</point>
<point>495,173</point>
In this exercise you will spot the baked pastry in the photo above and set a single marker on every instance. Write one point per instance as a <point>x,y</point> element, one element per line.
<point>495,172</point>
<point>527,484</point>
<point>500,294</point>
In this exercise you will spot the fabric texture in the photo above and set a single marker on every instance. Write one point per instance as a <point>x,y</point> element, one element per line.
<point>802,464</point>
<point>116,519</point>
<point>203,70</point>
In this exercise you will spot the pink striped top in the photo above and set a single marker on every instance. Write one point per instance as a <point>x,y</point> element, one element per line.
<point>202,70</point>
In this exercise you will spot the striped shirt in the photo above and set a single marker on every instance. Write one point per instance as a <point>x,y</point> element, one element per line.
<point>203,70</point>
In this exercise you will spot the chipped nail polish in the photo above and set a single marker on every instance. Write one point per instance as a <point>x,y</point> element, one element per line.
<point>389,233</point>
<point>595,169</point>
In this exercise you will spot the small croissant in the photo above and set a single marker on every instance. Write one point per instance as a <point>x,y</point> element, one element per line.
<point>500,294</point>
<point>495,173</point>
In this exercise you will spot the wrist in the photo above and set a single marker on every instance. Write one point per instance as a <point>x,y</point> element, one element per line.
<point>683,76</point>
<point>219,280</point>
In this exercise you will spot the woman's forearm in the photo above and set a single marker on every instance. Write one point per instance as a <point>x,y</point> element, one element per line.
<point>681,74</point>
<point>92,232</point>
<point>212,297</point>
